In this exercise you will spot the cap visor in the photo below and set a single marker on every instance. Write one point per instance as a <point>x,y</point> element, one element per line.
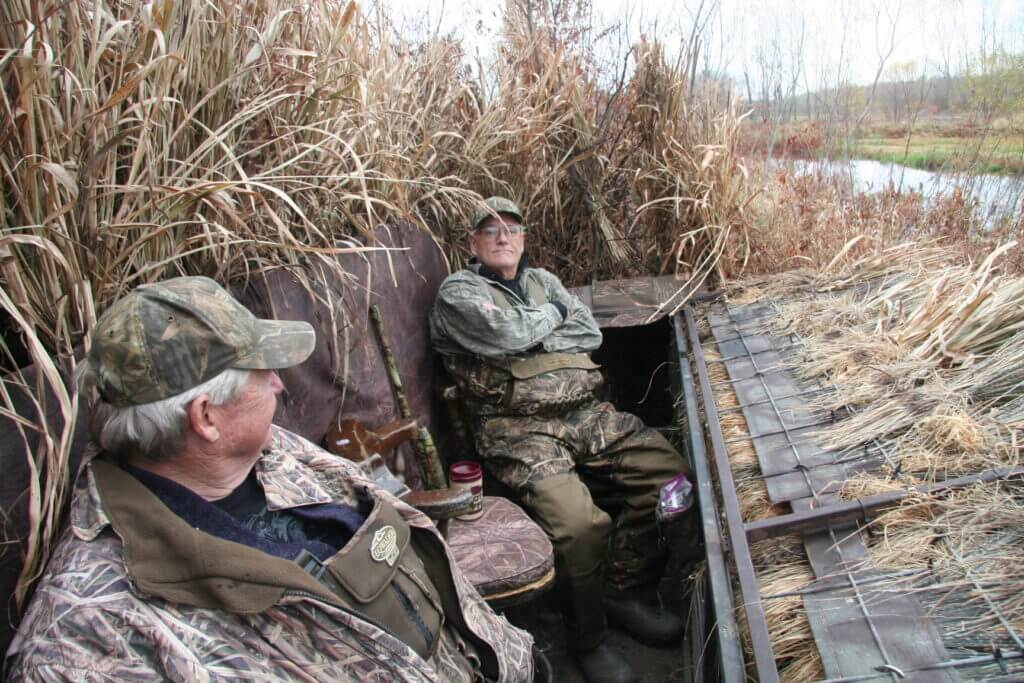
<point>279,344</point>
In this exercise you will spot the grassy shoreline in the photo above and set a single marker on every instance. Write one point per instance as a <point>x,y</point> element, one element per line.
<point>930,146</point>
<point>936,152</point>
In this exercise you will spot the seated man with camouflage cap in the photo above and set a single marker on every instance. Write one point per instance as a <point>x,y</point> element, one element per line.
<point>208,544</point>
<point>517,345</point>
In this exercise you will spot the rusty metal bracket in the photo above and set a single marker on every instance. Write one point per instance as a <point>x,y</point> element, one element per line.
<point>730,649</point>
<point>764,658</point>
<point>864,508</point>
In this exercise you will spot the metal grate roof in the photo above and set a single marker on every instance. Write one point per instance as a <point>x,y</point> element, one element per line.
<point>867,625</point>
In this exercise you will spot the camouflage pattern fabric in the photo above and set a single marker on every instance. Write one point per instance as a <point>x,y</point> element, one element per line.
<point>495,205</point>
<point>110,630</point>
<point>165,338</point>
<point>478,334</point>
<point>503,537</point>
<point>466,319</point>
<point>491,389</point>
<point>546,436</point>
<point>617,462</point>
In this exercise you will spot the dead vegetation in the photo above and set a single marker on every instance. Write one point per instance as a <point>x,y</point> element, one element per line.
<point>146,139</point>
<point>927,356</point>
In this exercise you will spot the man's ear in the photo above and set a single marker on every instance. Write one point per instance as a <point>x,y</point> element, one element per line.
<point>200,418</point>
<point>472,244</point>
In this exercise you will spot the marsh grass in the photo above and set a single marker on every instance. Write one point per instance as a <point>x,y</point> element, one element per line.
<point>936,151</point>
<point>927,353</point>
<point>145,140</point>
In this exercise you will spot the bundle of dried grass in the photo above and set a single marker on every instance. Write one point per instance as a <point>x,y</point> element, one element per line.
<point>778,562</point>
<point>746,470</point>
<point>782,575</point>
<point>971,545</point>
<point>929,362</point>
<point>920,357</point>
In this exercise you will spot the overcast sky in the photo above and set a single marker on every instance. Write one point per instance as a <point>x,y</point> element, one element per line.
<point>827,40</point>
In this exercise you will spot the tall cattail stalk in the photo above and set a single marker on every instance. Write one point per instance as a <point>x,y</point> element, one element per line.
<point>142,140</point>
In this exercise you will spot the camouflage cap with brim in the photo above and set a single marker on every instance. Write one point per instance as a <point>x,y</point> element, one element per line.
<point>166,338</point>
<point>494,205</point>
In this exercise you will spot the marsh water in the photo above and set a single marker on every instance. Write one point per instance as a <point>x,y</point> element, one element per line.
<point>995,196</point>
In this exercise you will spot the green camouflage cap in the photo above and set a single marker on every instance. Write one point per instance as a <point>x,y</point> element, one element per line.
<point>166,338</point>
<point>494,205</point>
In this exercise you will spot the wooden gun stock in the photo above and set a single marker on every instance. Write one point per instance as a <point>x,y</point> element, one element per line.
<point>352,440</point>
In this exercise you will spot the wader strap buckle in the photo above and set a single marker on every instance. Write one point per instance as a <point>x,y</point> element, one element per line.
<point>310,564</point>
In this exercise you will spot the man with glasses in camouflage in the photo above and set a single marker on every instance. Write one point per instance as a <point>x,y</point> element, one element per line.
<point>206,544</point>
<point>517,345</point>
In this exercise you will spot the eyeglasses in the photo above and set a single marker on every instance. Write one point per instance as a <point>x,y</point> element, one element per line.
<point>492,231</point>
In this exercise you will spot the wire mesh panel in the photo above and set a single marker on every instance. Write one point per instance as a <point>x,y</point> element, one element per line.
<point>868,623</point>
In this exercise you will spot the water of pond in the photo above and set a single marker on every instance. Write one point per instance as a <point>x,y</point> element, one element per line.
<point>997,196</point>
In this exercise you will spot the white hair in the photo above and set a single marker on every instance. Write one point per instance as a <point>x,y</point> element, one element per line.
<point>156,430</point>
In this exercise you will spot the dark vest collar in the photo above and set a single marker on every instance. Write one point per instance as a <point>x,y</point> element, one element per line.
<point>208,517</point>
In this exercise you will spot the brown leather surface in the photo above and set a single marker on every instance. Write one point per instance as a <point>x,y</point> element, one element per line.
<point>402,283</point>
<point>502,550</point>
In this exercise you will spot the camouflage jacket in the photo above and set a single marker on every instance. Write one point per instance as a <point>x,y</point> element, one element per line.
<point>101,614</point>
<point>466,319</point>
<point>515,356</point>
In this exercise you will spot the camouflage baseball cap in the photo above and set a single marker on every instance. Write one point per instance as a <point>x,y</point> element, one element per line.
<point>166,338</point>
<point>494,205</point>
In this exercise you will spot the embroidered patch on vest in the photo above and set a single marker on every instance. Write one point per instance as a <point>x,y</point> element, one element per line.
<point>384,546</point>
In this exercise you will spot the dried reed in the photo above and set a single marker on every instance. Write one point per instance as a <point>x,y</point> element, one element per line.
<point>779,562</point>
<point>746,470</point>
<point>142,140</point>
<point>929,360</point>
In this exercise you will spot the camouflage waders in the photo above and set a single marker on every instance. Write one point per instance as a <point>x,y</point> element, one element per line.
<point>567,470</point>
<point>528,384</point>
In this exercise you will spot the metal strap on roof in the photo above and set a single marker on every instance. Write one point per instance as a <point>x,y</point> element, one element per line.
<point>859,630</point>
<point>730,650</point>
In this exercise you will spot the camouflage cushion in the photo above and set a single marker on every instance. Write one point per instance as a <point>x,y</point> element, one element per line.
<point>502,551</point>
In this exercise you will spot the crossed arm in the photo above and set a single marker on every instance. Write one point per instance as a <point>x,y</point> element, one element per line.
<point>466,319</point>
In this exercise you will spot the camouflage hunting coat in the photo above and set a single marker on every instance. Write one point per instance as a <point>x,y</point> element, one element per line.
<point>511,356</point>
<point>120,601</point>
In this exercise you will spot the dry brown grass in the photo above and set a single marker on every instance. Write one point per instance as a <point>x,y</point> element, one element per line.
<point>928,356</point>
<point>144,140</point>
<point>782,572</point>
<point>970,542</point>
<point>931,360</point>
<point>805,221</point>
<point>746,471</point>
<point>778,562</point>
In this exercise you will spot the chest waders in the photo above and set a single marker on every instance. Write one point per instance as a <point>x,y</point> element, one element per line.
<point>542,384</point>
<point>532,384</point>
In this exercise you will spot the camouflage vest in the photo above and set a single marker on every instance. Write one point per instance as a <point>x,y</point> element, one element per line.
<point>531,384</point>
<point>379,574</point>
